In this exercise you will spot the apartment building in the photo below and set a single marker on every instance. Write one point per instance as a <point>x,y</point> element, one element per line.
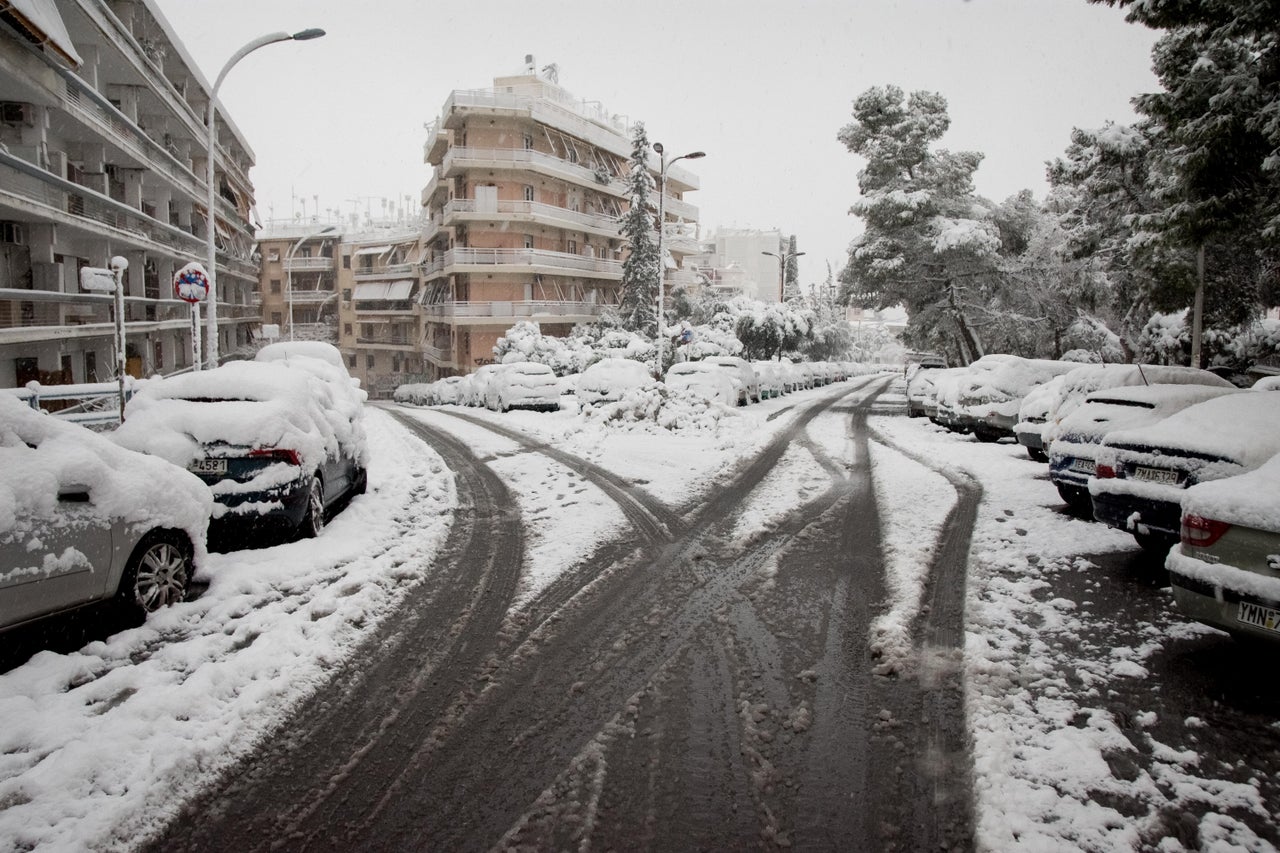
<point>758,274</point>
<point>380,308</point>
<point>102,154</point>
<point>298,280</point>
<point>521,216</point>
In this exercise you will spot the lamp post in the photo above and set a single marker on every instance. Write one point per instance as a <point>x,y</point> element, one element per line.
<point>288,269</point>
<point>662,212</point>
<point>782,271</point>
<point>211,122</point>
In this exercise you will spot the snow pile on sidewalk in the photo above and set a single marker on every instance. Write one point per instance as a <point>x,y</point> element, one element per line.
<point>98,745</point>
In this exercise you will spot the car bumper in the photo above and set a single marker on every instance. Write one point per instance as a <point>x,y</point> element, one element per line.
<point>280,507</point>
<point>1138,514</point>
<point>1222,608</point>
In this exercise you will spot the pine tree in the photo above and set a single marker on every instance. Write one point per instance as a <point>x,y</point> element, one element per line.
<point>642,268</point>
<point>791,274</point>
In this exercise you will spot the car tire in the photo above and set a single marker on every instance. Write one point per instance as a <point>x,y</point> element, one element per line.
<point>360,482</point>
<point>157,573</point>
<point>313,521</point>
<point>1077,500</point>
<point>1037,455</point>
<point>1154,543</point>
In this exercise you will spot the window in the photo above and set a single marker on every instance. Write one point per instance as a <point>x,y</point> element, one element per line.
<point>275,285</point>
<point>275,318</point>
<point>528,193</point>
<point>305,252</point>
<point>528,241</point>
<point>159,355</point>
<point>369,361</point>
<point>346,294</point>
<point>273,255</point>
<point>346,329</point>
<point>351,361</point>
<point>346,262</point>
<point>528,142</point>
<point>573,247</point>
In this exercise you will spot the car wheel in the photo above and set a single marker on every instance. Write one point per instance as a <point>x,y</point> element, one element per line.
<point>157,573</point>
<point>360,482</point>
<point>1037,455</point>
<point>1154,543</point>
<point>313,522</point>
<point>1077,500</point>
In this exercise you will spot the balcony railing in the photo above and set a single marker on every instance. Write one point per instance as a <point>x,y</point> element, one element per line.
<point>538,210</point>
<point>513,309</point>
<point>26,185</point>
<point>386,271</point>
<point>520,156</point>
<point>531,258</point>
<point>321,264</point>
<point>384,340</point>
<point>311,297</point>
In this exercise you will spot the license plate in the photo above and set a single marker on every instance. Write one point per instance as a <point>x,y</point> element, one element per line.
<point>1156,475</point>
<point>1259,617</point>
<point>1084,466</point>
<point>209,466</point>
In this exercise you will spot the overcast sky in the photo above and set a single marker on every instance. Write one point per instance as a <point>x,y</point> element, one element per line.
<point>763,88</point>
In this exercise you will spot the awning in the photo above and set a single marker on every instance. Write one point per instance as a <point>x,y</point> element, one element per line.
<point>41,19</point>
<point>372,250</point>
<point>399,289</point>
<point>371,290</point>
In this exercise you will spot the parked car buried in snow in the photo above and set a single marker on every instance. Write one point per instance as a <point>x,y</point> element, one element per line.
<point>277,448</point>
<point>989,401</point>
<point>523,385</point>
<point>919,389</point>
<point>1141,473</point>
<point>705,380</point>
<point>740,370</point>
<point>83,521</point>
<point>1073,454</point>
<point>1226,571</point>
<point>609,378</point>
<point>1033,414</point>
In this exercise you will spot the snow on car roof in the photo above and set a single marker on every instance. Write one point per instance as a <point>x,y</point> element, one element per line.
<point>311,349</point>
<point>243,403</point>
<point>1251,499</point>
<point>1240,427</point>
<point>1095,377</point>
<point>40,455</point>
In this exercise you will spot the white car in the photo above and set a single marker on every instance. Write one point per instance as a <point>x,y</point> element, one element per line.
<point>705,380</point>
<point>83,520</point>
<point>772,378</point>
<point>476,390</point>
<point>741,370</point>
<point>1033,414</point>
<point>609,378</point>
<point>523,385</point>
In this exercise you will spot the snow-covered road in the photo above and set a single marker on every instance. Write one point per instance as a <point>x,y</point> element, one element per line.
<point>101,747</point>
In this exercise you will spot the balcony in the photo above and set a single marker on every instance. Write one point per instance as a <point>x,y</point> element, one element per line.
<point>458,159</point>
<point>386,271</point>
<point>464,260</point>
<point>310,297</point>
<point>29,188</point>
<point>532,211</point>
<point>320,264</point>
<point>547,311</point>
<point>38,315</point>
<point>390,342</point>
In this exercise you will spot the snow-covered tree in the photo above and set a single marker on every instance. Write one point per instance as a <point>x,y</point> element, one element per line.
<point>929,244</point>
<point>791,273</point>
<point>642,268</point>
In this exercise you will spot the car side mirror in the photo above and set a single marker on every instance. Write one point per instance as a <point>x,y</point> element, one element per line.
<point>76,494</point>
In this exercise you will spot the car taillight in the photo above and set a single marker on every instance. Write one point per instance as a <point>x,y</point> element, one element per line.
<point>277,454</point>
<point>1104,472</point>
<point>1201,532</point>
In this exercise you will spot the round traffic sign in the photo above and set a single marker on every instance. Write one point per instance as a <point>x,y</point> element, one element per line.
<point>191,283</point>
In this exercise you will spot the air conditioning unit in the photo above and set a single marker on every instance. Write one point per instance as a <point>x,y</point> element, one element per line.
<point>17,112</point>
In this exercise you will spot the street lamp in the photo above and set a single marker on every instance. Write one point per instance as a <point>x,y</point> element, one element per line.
<point>782,270</point>
<point>288,269</point>
<point>211,120</point>
<point>662,212</point>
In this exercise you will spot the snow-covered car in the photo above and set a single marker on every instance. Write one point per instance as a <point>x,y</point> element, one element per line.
<point>609,378</point>
<point>947,389</point>
<point>705,380</point>
<point>740,370</point>
<point>804,375</point>
<point>1226,571</point>
<point>919,389</point>
<point>771,377</point>
<point>1141,473</point>
<point>523,385</point>
<point>1266,383</point>
<point>1033,414</point>
<point>1073,454</point>
<point>277,445</point>
<point>476,391</point>
<point>285,350</point>
<point>1086,379</point>
<point>988,402</point>
<point>83,520</point>
<point>441,392</point>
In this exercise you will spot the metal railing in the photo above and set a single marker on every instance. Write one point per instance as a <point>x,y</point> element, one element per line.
<point>26,185</point>
<point>98,402</point>
<point>527,156</point>
<point>386,271</point>
<point>513,309</point>
<point>321,264</point>
<point>530,258</point>
<point>538,209</point>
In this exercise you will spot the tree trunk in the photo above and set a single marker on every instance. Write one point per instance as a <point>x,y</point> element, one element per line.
<point>970,346</point>
<point>1197,312</point>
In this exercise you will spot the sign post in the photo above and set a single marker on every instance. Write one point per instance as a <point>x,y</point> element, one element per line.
<point>112,280</point>
<point>191,285</point>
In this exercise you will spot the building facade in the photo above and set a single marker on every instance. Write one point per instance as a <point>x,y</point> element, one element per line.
<point>102,154</point>
<point>743,249</point>
<point>298,281</point>
<point>521,217</point>
<point>380,307</point>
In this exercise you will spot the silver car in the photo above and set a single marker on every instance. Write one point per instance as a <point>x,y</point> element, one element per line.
<point>90,521</point>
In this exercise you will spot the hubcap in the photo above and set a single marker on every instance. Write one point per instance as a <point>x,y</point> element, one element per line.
<point>162,577</point>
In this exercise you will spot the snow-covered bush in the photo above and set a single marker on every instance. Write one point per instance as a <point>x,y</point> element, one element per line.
<point>654,407</point>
